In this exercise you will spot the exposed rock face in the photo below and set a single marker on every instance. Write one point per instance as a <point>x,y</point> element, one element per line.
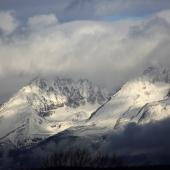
<point>158,74</point>
<point>46,107</point>
<point>51,94</point>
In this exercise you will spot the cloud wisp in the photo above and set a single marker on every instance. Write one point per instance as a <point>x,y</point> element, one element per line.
<point>8,22</point>
<point>42,21</point>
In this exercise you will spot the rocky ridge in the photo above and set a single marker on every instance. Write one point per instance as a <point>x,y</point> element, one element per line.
<point>46,107</point>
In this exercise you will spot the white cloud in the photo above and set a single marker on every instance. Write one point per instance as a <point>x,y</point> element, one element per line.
<point>164,14</point>
<point>106,53</point>
<point>40,21</point>
<point>8,22</point>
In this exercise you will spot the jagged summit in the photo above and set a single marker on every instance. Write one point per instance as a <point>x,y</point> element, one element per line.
<point>46,107</point>
<point>141,100</point>
<point>158,73</point>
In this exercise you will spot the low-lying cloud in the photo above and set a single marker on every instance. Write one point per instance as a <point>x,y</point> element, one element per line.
<point>150,141</point>
<point>137,145</point>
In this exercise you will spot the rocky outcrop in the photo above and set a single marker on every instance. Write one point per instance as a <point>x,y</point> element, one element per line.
<point>44,95</point>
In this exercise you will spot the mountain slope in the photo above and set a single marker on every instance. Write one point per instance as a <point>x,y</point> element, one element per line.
<point>46,107</point>
<point>141,100</point>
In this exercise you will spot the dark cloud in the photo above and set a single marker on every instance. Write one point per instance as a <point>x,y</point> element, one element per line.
<point>150,141</point>
<point>26,9</point>
<point>73,4</point>
<point>86,9</point>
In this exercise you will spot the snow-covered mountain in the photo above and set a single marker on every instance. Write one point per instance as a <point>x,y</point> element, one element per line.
<point>67,113</point>
<point>46,107</point>
<point>141,100</point>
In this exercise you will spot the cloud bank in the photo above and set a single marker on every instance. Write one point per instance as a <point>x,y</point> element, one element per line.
<point>107,53</point>
<point>144,144</point>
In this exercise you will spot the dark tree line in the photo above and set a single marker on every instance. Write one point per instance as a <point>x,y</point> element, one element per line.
<point>80,158</point>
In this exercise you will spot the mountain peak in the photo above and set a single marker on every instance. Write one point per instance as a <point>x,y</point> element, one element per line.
<point>69,80</point>
<point>81,81</point>
<point>158,73</point>
<point>44,106</point>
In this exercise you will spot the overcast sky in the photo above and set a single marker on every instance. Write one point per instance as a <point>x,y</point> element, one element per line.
<point>106,41</point>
